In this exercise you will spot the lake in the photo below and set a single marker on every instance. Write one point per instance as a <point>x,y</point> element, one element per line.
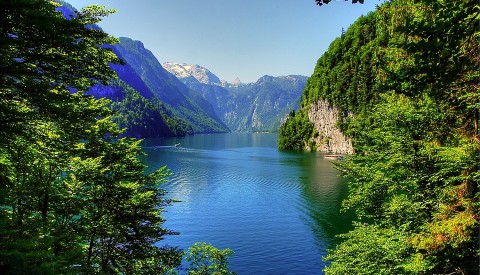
<point>278,211</point>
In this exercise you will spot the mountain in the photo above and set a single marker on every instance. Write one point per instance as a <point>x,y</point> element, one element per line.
<point>148,100</point>
<point>265,104</point>
<point>252,107</point>
<point>161,96</point>
<point>236,82</point>
<point>179,99</point>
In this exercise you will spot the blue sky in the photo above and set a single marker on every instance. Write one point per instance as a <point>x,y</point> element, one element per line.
<point>234,38</point>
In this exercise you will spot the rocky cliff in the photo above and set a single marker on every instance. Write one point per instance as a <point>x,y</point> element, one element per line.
<point>330,139</point>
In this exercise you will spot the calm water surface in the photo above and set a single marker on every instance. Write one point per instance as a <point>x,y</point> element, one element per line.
<point>278,211</point>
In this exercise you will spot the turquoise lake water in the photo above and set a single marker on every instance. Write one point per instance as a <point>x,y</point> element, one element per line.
<point>278,211</point>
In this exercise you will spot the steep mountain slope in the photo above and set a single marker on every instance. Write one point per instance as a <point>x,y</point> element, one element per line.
<point>142,117</point>
<point>149,101</point>
<point>347,80</point>
<point>176,97</point>
<point>136,108</point>
<point>259,106</point>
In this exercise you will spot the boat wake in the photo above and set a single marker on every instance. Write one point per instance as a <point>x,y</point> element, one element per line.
<point>175,147</point>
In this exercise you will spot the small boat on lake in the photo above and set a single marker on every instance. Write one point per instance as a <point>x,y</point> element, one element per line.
<point>333,157</point>
<point>177,145</point>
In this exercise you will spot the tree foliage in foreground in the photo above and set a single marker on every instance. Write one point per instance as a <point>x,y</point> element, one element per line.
<point>205,259</point>
<point>415,175</point>
<point>73,195</point>
<point>409,73</point>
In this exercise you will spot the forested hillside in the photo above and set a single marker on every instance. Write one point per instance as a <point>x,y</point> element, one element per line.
<point>140,116</point>
<point>409,74</point>
<point>348,75</point>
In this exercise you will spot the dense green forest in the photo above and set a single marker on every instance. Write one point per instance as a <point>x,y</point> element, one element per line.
<point>143,118</point>
<point>409,74</point>
<point>74,198</point>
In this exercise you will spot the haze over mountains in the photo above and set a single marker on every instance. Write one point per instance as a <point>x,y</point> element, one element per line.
<point>252,107</point>
<point>173,99</point>
<point>176,99</point>
<point>152,102</point>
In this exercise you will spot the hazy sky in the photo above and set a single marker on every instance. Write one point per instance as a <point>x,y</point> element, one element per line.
<point>234,38</point>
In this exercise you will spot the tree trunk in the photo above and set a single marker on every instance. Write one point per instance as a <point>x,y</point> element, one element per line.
<point>477,115</point>
<point>45,207</point>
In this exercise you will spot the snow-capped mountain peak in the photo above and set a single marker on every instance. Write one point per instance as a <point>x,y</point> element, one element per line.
<point>237,82</point>
<point>182,70</point>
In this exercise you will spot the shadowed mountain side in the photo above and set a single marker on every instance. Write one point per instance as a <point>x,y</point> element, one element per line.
<point>270,99</point>
<point>164,86</point>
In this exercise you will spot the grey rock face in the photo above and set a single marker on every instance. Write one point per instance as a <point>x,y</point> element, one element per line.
<point>324,117</point>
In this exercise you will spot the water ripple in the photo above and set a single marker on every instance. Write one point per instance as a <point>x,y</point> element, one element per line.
<point>278,211</point>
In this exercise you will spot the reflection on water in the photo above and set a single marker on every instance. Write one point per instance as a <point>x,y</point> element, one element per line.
<point>323,192</point>
<point>278,211</point>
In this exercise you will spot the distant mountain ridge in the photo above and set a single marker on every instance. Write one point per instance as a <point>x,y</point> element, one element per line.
<point>253,107</point>
<point>201,74</point>
<point>177,99</point>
